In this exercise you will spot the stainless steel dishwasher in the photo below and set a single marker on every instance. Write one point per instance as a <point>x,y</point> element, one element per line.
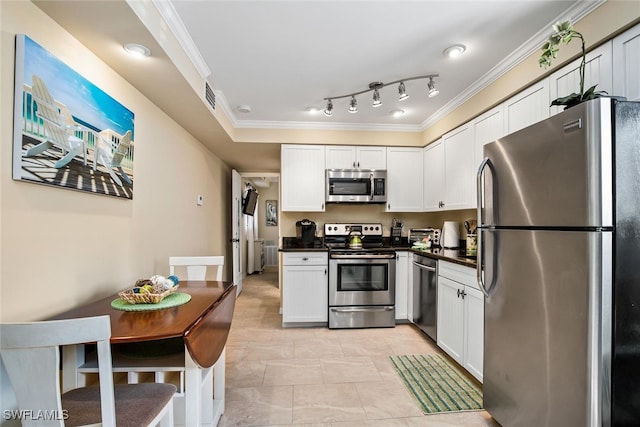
<point>425,277</point>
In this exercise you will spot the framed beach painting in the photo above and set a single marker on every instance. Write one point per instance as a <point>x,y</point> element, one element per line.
<point>68,133</point>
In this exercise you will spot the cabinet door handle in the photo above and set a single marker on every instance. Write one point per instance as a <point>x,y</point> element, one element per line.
<point>358,164</point>
<point>325,271</point>
<point>458,293</point>
<point>307,259</point>
<point>353,164</point>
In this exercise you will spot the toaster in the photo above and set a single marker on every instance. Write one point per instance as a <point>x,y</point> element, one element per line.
<point>419,234</point>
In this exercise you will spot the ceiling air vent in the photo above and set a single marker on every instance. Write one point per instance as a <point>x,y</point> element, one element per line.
<point>209,95</point>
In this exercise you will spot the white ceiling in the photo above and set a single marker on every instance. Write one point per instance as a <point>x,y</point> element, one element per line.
<point>280,57</point>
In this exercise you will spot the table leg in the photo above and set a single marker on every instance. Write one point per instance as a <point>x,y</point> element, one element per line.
<point>219,386</point>
<point>72,359</point>
<point>192,391</point>
<point>204,392</point>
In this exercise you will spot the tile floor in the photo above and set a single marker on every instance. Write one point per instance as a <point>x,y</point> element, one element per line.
<point>316,376</point>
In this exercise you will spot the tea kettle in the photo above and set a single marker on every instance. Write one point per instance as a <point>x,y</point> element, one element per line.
<point>450,235</point>
<point>355,240</point>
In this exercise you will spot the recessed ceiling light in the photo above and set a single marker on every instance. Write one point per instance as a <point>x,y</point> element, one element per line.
<point>243,108</point>
<point>312,110</point>
<point>397,113</point>
<point>137,49</point>
<point>455,50</point>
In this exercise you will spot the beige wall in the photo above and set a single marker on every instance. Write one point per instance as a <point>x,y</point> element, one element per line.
<point>61,248</point>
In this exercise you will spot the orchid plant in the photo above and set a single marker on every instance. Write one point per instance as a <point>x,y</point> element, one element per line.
<point>563,32</point>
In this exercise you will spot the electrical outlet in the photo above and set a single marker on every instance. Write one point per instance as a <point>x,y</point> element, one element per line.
<point>199,200</point>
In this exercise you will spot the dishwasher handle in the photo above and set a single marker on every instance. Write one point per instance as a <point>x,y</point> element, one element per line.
<point>424,267</point>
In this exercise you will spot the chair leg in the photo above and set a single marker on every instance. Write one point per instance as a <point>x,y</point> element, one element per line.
<point>124,175</point>
<point>66,159</point>
<point>167,420</point>
<point>114,177</point>
<point>37,149</point>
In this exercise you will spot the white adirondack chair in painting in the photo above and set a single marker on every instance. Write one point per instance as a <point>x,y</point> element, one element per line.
<point>110,157</point>
<point>58,132</point>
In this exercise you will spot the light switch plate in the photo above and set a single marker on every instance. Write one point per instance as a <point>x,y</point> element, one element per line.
<point>199,200</point>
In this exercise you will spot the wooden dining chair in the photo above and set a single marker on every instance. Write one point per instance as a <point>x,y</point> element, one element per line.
<point>31,355</point>
<point>196,266</point>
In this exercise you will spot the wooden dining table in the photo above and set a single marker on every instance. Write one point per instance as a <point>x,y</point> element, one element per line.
<point>202,324</point>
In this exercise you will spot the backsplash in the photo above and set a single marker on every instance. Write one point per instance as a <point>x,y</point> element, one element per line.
<point>374,213</point>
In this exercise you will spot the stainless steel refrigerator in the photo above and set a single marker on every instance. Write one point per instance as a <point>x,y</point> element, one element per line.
<point>559,263</point>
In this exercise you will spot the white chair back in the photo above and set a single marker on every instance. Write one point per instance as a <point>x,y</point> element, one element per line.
<point>196,266</point>
<point>30,353</point>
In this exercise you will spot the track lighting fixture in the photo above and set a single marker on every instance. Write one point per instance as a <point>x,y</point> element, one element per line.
<point>432,88</point>
<point>329,110</point>
<point>375,87</point>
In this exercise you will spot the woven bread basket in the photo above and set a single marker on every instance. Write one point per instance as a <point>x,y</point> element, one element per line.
<point>145,298</point>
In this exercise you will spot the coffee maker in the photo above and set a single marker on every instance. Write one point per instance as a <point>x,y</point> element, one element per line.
<point>306,232</point>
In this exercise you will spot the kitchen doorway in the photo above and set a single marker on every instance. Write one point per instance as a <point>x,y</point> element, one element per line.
<point>259,233</point>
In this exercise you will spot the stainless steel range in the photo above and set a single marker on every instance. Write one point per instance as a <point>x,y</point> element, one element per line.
<point>362,271</point>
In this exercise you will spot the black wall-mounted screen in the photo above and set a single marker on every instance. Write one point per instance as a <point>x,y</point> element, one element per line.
<point>249,202</point>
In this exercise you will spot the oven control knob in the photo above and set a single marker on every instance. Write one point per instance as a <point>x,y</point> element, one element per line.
<point>366,228</point>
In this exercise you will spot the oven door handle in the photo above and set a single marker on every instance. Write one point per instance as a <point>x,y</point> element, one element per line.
<point>363,256</point>
<point>359,309</point>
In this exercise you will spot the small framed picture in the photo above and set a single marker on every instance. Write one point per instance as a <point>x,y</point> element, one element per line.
<point>272,213</point>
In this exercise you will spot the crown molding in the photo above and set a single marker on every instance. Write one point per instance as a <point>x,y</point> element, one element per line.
<point>175,24</point>
<point>575,13</point>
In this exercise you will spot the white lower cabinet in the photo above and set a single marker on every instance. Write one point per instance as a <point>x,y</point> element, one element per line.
<point>305,289</point>
<point>402,284</point>
<point>461,316</point>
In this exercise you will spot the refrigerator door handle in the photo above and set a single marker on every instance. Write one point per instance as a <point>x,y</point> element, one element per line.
<point>480,199</point>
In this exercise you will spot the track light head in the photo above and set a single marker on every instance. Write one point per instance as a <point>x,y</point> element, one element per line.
<point>376,98</point>
<point>432,88</point>
<point>402,93</point>
<point>353,107</point>
<point>329,110</point>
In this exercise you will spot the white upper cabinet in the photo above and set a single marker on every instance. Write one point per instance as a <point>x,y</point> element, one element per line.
<point>350,157</point>
<point>459,157</point>
<point>449,171</point>
<point>528,107</point>
<point>303,178</point>
<point>404,179</point>
<point>486,128</point>
<point>626,57</point>
<point>433,156</point>
<point>597,71</point>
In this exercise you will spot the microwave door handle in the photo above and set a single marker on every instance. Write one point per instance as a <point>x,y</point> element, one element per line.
<point>372,185</point>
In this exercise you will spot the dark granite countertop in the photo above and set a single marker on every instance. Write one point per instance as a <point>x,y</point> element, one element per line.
<point>292,244</point>
<point>457,256</point>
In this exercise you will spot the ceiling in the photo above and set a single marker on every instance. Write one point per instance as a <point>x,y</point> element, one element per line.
<point>281,57</point>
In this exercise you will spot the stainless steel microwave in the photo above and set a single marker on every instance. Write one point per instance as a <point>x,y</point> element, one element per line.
<point>356,186</point>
